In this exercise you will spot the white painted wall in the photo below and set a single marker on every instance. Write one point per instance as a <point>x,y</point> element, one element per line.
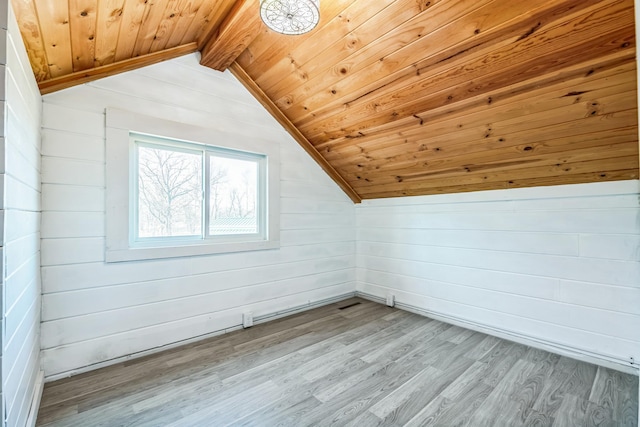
<point>556,264</point>
<point>20,167</point>
<point>94,311</point>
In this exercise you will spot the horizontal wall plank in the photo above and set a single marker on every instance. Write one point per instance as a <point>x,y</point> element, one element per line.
<point>301,188</point>
<point>624,247</point>
<point>20,196</point>
<point>69,330</point>
<point>95,100</point>
<point>533,204</point>
<point>613,272</point>
<point>72,198</point>
<point>22,168</point>
<point>182,72</point>
<point>558,193</point>
<point>68,358</point>
<point>615,298</point>
<point>20,251</point>
<point>22,280</point>
<point>319,220</point>
<point>76,303</point>
<point>21,313</point>
<point>21,114</point>
<point>20,337</point>
<point>57,170</point>
<point>72,250</point>
<point>20,382</point>
<point>309,236</point>
<point>605,322</point>
<point>56,143</point>
<point>542,243</point>
<point>83,276</point>
<point>72,224</point>
<point>519,284</point>
<point>184,96</point>
<point>22,223</point>
<point>583,221</point>
<point>74,120</point>
<point>290,205</point>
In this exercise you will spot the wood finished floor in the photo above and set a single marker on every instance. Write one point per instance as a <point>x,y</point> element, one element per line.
<point>346,365</point>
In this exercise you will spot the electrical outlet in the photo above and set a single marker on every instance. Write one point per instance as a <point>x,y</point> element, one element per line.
<point>391,299</point>
<point>247,319</point>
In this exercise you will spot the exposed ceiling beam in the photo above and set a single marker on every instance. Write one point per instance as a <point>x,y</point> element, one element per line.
<point>241,26</point>
<point>255,90</point>
<point>85,76</point>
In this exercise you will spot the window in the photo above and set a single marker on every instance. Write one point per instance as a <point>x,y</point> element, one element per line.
<point>187,190</point>
<point>183,191</point>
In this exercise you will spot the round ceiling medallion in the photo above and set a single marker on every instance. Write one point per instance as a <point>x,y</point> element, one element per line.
<point>290,16</point>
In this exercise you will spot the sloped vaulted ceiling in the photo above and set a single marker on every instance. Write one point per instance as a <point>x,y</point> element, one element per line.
<point>392,98</point>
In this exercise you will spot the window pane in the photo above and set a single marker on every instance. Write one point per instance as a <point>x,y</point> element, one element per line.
<point>169,193</point>
<point>233,196</point>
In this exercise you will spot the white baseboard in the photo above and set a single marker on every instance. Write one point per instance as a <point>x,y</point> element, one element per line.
<point>35,400</point>
<point>552,347</point>
<point>258,319</point>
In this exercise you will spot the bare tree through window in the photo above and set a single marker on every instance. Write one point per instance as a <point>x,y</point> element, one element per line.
<point>171,193</point>
<point>169,188</point>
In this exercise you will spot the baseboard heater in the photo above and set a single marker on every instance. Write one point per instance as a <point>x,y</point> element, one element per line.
<point>585,356</point>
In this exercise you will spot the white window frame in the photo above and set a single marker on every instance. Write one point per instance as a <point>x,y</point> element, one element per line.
<point>121,130</point>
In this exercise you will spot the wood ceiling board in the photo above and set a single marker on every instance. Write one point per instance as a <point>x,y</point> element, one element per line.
<point>279,58</point>
<point>563,78</point>
<point>522,145</point>
<point>382,64</point>
<point>381,52</point>
<point>153,14</point>
<point>270,47</point>
<point>237,31</point>
<point>499,160</point>
<point>586,129</point>
<point>62,82</point>
<point>82,22</point>
<point>612,175</point>
<point>208,22</point>
<point>131,21</point>
<point>169,19</point>
<point>468,142</point>
<point>32,37</point>
<point>374,163</point>
<point>180,23</point>
<point>540,100</point>
<point>54,26</point>
<point>107,30</point>
<point>282,119</point>
<point>559,175</point>
<point>493,71</point>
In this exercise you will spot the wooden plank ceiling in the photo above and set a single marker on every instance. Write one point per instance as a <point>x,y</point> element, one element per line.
<point>392,97</point>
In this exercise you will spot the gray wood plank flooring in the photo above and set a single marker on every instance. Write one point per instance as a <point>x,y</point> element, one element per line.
<point>346,365</point>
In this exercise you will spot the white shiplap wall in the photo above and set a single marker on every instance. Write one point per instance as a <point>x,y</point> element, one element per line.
<point>554,264</point>
<point>21,202</point>
<point>94,311</point>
